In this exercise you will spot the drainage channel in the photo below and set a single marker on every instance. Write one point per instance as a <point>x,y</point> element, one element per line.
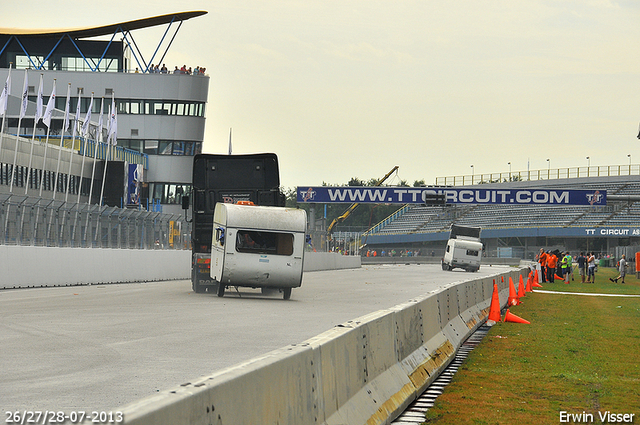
<point>415,413</point>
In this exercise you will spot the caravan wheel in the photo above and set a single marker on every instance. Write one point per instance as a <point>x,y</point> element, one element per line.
<point>286,293</point>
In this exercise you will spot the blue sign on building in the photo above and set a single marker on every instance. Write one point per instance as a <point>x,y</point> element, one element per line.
<point>468,196</point>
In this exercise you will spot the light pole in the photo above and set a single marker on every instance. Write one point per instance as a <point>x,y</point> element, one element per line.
<point>509,164</point>
<point>549,164</point>
<point>472,173</point>
<point>588,161</point>
<point>629,156</point>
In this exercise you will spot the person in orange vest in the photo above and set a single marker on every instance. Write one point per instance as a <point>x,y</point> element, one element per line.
<point>552,262</point>
<point>542,259</point>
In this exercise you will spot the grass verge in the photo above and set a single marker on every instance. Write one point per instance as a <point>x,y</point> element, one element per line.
<point>579,355</point>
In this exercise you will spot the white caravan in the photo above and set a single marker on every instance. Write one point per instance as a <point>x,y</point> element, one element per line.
<point>258,247</point>
<point>464,249</point>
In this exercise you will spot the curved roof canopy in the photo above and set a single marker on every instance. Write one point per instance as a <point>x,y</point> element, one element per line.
<point>87,32</point>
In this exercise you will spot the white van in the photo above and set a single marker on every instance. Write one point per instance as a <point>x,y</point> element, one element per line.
<point>258,247</point>
<point>463,250</point>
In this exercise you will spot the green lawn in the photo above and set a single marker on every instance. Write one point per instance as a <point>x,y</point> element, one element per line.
<point>579,355</point>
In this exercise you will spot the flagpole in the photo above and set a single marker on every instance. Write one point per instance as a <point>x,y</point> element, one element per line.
<point>95,158</point>
<point>73,144</point>
<point>82,149</point>
<point>95,153</point>
<point>46,146</point>
<point>23,111</point>
<point>36,118</point>
<point>6,92</point>
<point>106,162</point>
<point>104,174</point>
<point>55,184</point>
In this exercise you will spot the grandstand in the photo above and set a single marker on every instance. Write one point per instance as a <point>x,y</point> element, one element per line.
<point>599,228</point>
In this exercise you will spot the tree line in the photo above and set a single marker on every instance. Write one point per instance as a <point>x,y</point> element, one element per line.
<point>363,217</point>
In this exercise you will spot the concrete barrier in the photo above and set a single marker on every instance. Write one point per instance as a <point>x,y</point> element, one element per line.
<point>365,371</point>
<point>316,261</point>
<point>34,266</point>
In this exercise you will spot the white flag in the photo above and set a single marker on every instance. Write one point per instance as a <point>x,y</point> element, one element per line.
<point>39,101</point>
<point>48,113</point>
<point>113,123</point>
<point>99,133</point>
<point>67,106</point>
<point>229,141</point>
<point>87,118</point>
<point>6,92</point>
<point>25,96</point>
<point>77,117</point>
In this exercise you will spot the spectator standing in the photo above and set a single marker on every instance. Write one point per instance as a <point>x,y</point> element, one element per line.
<point>622,269</point>
<point>552,262</point>
<point>542,261</point>
<point>582,261</point>
<point>591,268</point>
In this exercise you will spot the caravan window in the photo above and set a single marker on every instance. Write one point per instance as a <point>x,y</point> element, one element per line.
<point>259,242</point>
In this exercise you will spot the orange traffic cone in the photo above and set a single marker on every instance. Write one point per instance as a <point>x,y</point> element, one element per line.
<point>521,288</point>
<point>529,279</point>
<point>510,317</point>
<point>494,310</point>
<point>535,282</point>
<point>513,296</point>
<point>558,277</point>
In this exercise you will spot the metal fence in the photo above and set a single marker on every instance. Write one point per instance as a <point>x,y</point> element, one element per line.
<point>35,221</point>
<point>534,175</point>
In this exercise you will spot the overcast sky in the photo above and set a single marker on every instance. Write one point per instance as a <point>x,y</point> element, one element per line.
<point>342,89</point>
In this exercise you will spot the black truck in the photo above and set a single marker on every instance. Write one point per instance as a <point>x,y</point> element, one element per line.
<point>249,178</point>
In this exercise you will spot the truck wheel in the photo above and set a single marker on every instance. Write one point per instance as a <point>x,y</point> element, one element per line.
<point>444,266</point>
<point>286,293</point>
<point>220,289</point>
<point>197,288</point>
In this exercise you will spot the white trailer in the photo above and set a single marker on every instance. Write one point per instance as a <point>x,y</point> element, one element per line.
<point>258,247</point>
<point>463,250</point>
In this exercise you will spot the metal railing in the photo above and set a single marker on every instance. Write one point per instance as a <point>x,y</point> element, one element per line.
<point>86,147</point>
<point>35,221</point>
<point>534,175</point>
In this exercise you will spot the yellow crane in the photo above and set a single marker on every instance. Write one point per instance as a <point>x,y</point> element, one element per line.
<point>353,206</point>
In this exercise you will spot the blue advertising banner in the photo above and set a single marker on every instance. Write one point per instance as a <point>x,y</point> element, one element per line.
<point>417,195</point>
<point>133,184</point>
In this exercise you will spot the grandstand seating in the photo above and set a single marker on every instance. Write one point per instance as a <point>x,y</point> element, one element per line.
<point>422,219</point>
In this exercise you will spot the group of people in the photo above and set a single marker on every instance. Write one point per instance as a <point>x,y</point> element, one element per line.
<point>156,69</point>
<point>558,264</point>
<point>393,253</point>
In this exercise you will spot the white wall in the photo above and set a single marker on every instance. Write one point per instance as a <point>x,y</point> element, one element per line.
<point>29,266</point>
<point>35,266</point>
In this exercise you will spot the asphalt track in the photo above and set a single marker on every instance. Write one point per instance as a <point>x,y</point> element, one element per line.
<point>99,347</point>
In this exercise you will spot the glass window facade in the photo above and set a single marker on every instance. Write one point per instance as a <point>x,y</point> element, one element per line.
<point>169,193</point>
<point>160,107</point>
<point>162,147</point>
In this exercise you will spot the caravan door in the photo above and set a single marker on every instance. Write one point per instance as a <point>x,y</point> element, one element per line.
<point>219,240</point>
